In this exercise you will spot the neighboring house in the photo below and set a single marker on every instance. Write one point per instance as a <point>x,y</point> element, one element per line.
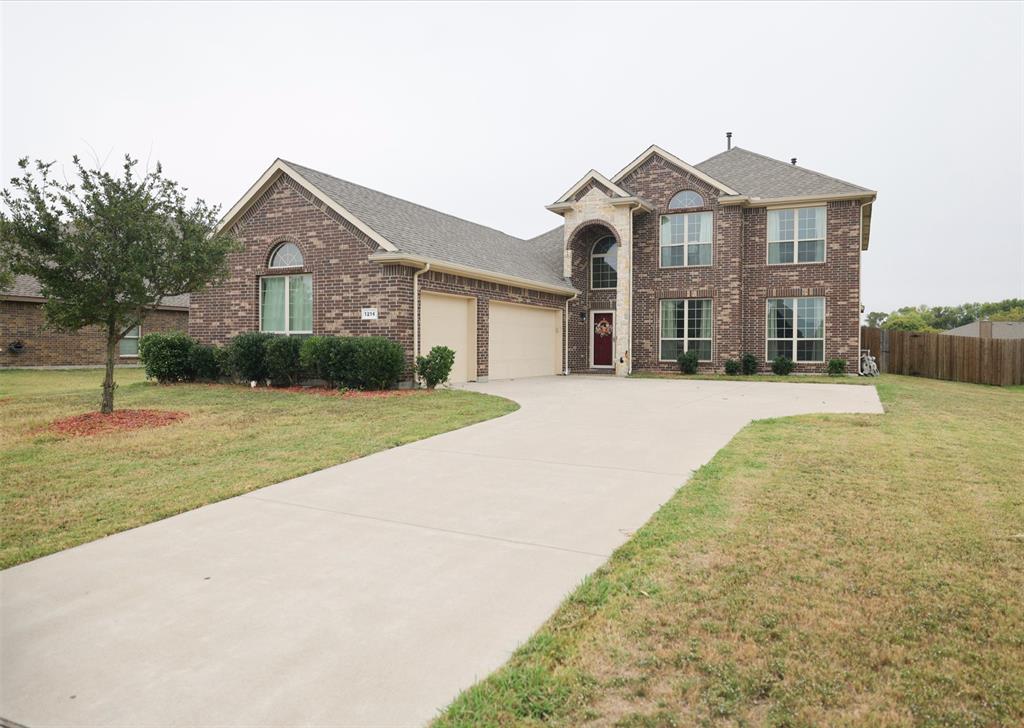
<point>740,253</point>
<point>989,330</point>
<point>28,342</point>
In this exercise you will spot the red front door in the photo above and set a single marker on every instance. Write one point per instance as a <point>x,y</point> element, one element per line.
<point>603,334</point>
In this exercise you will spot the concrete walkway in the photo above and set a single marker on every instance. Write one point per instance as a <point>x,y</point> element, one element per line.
<point>370,593</point>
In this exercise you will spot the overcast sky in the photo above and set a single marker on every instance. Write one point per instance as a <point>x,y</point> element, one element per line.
<point>491,112</point>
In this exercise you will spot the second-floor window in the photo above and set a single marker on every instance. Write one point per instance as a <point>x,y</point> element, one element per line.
<point>796,236</point>
<point>685,239</point>
<point>604,263</point>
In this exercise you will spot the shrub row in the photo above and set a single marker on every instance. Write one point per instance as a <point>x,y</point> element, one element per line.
<point>365,362</point>
<point>747,364</point>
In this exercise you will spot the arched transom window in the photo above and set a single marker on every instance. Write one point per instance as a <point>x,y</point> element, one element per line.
<point>685,199</point>
<point>286,255</point>
<point>604,263</point>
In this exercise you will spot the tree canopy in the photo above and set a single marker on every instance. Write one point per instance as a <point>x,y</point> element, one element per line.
<point>105,248</point>
<point>943,318</point>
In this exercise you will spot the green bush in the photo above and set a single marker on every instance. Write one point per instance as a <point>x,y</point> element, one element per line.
<point>225,366</point>
<point>330,358</point>
<point>688,362</point>
<point>748,364</point>
<point>732,366</point>
<point>782,365</point>
<point>836,367</point>
<point>248,356</point>
<point>203,362</point>
<point>436,366</point>
<point>281,356</point>
<point>166,357</point>
<point>377,363</point>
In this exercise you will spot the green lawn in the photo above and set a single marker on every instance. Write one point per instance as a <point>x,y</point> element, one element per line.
<point>820,570</point>
<point>57,491</point>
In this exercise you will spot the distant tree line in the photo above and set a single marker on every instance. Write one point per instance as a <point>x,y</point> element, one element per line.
<point>942,318</point>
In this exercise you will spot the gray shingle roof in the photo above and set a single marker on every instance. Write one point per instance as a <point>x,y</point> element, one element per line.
<point>756,175</point>
<point>28,287</point>
<point>422,231</point>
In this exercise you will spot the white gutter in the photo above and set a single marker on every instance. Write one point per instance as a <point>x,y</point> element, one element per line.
<point>416,319</point>
<point>565,333</point>
<point>398,258</point>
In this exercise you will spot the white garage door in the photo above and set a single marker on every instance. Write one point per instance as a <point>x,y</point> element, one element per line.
<point>450,321</point>
<point>524,341</point>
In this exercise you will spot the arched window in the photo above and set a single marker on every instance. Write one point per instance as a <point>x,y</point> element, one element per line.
<point>685,199</point>
<point>604,264</point>
<point>286,255</point>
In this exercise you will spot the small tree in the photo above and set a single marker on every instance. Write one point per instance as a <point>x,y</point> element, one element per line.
<point>108,248</point>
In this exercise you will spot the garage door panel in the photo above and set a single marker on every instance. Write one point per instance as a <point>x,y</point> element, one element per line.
<point>450,321</point>
<point>524,341</point>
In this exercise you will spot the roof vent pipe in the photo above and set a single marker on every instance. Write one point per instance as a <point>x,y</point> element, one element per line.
<point>793,161</point>
<point>728,140</point>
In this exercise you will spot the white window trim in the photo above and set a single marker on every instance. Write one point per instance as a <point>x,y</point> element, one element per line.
<point>137,339</point>
<point>686,241</point>
<point>796,237</point>
<point>794,338</point>
<point>590,329</point>
<point>602,255</point>
<point>703,202</point>
<point>686,328</point>
<point>287,303</point>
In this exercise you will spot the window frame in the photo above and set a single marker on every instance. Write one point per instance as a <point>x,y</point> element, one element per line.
<point>287,304</point>
<point>686,329</point>
<point>796,329</point>
<point>137,338</point>
<point>703,203</point>
<point>796,236</point>
<point>686,242</point>
<point>594,255</point>
<point>274,251</point>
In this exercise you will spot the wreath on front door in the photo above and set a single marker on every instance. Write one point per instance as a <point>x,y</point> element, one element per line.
<point>603,328</point>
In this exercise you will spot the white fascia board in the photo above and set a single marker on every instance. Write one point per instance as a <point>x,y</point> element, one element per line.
<point>655,149</point>
<point>597,177</point>
<point>399,258</point>
<point>748,201</point>
<point>268,178</point>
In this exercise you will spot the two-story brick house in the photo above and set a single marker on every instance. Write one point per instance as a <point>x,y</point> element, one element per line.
<point>740,253</point>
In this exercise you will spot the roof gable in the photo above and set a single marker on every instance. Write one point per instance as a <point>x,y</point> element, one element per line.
<point>654,149</point>
<point>594,178</point>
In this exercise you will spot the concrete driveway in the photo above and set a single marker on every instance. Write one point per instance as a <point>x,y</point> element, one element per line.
<point>370,593</point>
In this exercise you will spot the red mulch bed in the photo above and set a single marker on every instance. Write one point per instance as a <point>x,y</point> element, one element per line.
<point>95,423</point>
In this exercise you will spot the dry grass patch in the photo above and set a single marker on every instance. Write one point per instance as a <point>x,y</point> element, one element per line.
<point>821,570</point>
<point>58,491</point>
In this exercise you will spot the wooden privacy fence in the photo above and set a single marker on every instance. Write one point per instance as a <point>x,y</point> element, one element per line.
<point>939,356</point>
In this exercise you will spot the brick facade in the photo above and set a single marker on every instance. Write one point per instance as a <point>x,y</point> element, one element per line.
<point>25,321</point>
<point>738,282</point>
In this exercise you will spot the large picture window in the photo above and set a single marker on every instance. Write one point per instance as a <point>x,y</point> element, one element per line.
<point>796,236</point>
<point>604,263</point>
<point>685,326</point>
<point>286,304</point>
<point>796,329</point>
<point>686,239</point>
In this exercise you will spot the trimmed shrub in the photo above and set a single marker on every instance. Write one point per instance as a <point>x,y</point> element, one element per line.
<point>688,362</point>
<point>248,356</point>
<point>732,366</point>
<point>836,367</point>
<point>166,357</point>
<point>782,366</point>
<point>281,356</point>
<point>377,363</point>
<point>330,358</point>
<point>225,367</point>
<point>436,366</point>
<point>748,364</point>
<point>204,362</point>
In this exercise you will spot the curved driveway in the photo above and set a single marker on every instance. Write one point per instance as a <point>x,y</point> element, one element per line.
<point>370,593</point>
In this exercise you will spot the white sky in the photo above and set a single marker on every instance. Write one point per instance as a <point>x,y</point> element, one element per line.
<point>491,112</point>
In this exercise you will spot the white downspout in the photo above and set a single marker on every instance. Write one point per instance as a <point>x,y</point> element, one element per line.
<point>566,332</point>
<point>629,352</point>
<point>416,319</point>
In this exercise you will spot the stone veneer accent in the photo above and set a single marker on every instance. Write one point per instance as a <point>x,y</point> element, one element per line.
<point>45,347</point>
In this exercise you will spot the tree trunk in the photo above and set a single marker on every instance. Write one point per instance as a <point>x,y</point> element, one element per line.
<point>107,406</point>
